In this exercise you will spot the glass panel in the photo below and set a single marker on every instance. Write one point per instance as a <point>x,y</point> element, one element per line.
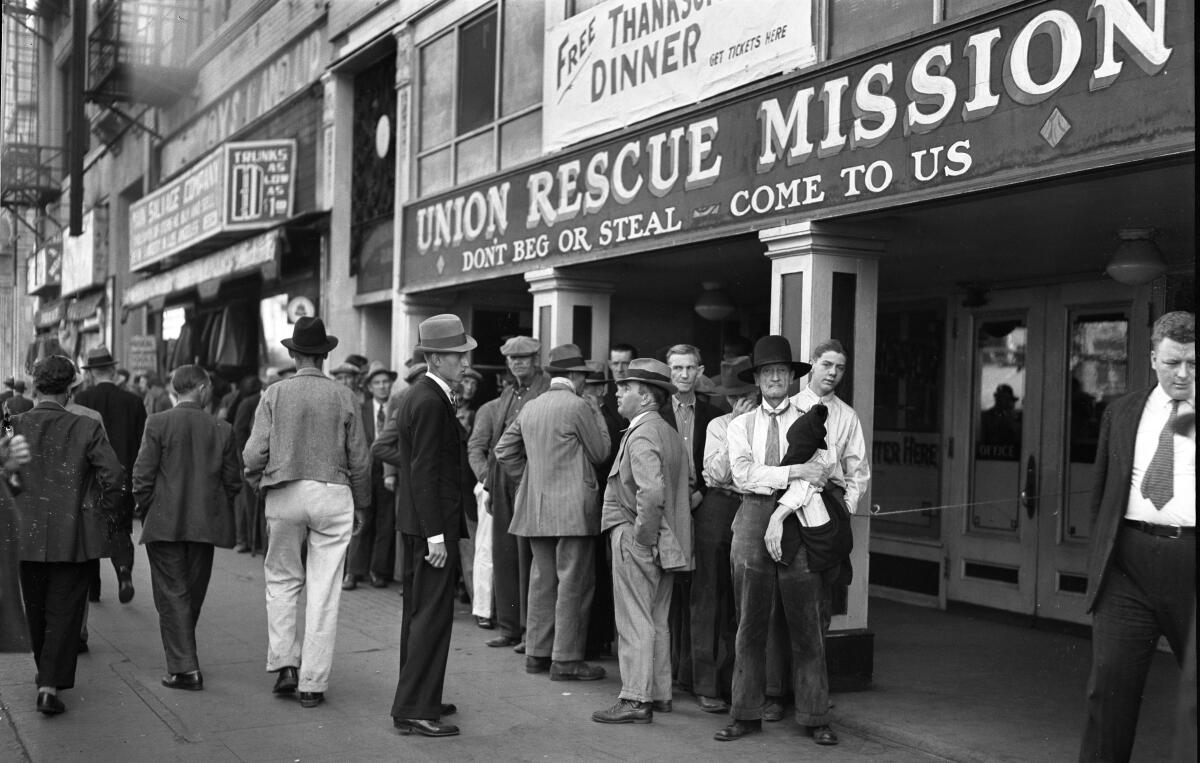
<point>433,172</point>
<point>521,139</point>
<point>1099,374</point>
<point>1000,385</point>
<point>273,313</point>
<point>476,156</point>
<point>437,90</point>
<point>524,37</point>
<point>858,24</point>
<point>477,73</point>
<point>958,8</point>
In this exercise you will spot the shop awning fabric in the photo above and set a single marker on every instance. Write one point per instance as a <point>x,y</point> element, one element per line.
<point>241,258</point>
<point>84,307</point>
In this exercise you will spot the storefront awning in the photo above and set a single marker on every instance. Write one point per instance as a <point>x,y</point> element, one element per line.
<point>240,259</point>
<point>50,314</point>
<point>82,308</point>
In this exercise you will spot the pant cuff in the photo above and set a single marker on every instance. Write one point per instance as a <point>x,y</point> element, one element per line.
<point>633,696</point>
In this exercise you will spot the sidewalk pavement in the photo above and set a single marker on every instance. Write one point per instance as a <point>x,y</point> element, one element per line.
<point>947,686</point>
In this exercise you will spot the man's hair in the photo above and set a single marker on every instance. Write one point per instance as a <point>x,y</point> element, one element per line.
<point>187,378</point>
<point>123,372</point>
<point>104,372</point>
<point>683,349</point>
<point>1178,326</point>
<point>829,345</point>
<point>53,375</point>
<point>658,393</point>
<point>623,347</point>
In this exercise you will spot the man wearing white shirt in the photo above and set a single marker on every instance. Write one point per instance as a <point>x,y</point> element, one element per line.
<point>1143,565</point>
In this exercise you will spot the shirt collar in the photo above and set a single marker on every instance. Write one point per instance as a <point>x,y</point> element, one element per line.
<point>1160,399</point>
<point>680,401</point>
<point>441,384</point>
<point>561,382</point>
<point>768,410</point>
<point>310,371</point>
<point>634,421</point>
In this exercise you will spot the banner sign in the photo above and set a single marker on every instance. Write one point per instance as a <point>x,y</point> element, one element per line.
<point>242,257</point>
<point>85,257</point>
<point>1056,88</point>
<point>142,356</point>
<point>623,61</point>
<point>240,186</point>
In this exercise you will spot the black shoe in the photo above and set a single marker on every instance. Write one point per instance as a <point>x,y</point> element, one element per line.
<point>737,730</point>
<point>773,712</point>
<point>49,704</point>
<point>125,589</point>
<point>662,706</point>
<point>349,581</point>
<point>378,581</point>
<point>625,711</point>
<point>424,727</point>
<point>536,664</point>
<point>520,648</point>
<point>311,698</point>
<point>822,735</point>
<point>485,622</point>
<point>242,548</point>
<point>288,680</point>
<point>575,670</point>
<point>504,641</point>
<point>448,708</point>
<point>712,704</point>
<point>189,681</point>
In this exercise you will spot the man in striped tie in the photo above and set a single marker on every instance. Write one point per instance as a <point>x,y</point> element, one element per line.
<point>1143,565</point>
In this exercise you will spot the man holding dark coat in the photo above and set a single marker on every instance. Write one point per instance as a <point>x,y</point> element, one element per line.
<point>185,480</point>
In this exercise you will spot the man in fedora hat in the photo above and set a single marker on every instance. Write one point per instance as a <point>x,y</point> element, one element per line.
<point>647,507</point>
<point>307,454</point>
<point>551,449</point>
<point>714,610</point>
<point>372,552</point>
<point>124,417</point>
<point>433,487</point>
<point>510,554</point>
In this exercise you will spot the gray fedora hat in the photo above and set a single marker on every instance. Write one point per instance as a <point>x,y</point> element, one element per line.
<point>444,333</point>
<point>650,371</point>
<point>566,358</point>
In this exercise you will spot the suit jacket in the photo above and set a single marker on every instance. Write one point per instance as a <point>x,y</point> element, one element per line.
<point>124,416</point>
<point>1110,483</point>
<point>551,448</point>
<point>381,498</point>
<point>705,412</point>
<point>72,486</point>
<point>487,431</point>
<point>650,487</point>
<point>243,419</point>
<point>186,477</point>
<point>426,443</point>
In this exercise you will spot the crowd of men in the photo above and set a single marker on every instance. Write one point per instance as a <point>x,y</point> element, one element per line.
<point>696,528</point>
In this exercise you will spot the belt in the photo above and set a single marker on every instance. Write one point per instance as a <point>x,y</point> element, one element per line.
<point>1159,531</point>
<point>726,491</point>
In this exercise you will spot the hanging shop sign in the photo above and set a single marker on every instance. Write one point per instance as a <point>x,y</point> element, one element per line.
<point>621,62</point>
<point>1052,89</point>
<point>239,259</point>
<point>85,257</point>
<point>44,268</point>
<point>50,315</point>
<point>240,186</point>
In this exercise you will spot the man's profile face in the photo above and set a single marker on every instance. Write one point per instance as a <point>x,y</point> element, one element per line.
<point>618,362</point>
<point>381,387</point>
<point>469,387</point>
<point>629,400</point>
<point>1174,364</point>
<point>773,380</point>
<point>521,366</point>
<point>684,370</point>
<point>450,366</point>
<point>827,372</point>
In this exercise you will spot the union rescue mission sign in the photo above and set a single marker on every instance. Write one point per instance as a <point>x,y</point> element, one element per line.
<point>1048,89</point>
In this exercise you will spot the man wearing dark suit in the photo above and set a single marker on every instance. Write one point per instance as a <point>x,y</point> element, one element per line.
<point>185,479</point>
<point>66,513</point>
<point>373,551</point>
<point>1143,563</point>
<point>124,416</point>
<point>424,440</point>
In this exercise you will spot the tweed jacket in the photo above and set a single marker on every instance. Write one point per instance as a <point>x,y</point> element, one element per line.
<point>650,487</point>
<point>72,486</point>
<point>308,427</point>
<point>124,416</point>
<point>186,477</point>
<point>487,431</point>
<point>1110,483</point>
<point>552,448</point>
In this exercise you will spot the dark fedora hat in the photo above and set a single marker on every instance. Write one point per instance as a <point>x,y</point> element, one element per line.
<point>731,385</point>
<point>444,333</point>
<point>772,348</point>
<point>309,337</point>
<point>598,374</point>
<point>375,369</point>
<point>99,357</point>
<point>566,358</point>
<point>649,371</point>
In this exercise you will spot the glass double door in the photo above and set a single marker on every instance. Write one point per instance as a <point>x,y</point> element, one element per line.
<point>1033,372</point>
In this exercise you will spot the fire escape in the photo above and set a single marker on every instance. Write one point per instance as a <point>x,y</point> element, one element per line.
<point>138,51</point>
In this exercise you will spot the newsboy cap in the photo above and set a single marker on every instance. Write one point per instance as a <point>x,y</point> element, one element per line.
<point>520,345</point>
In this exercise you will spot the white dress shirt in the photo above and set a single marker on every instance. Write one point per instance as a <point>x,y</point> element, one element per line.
<point>747,438</point>
<point>1181,509</point>
<point>847,446</point>
<point>716,453</point>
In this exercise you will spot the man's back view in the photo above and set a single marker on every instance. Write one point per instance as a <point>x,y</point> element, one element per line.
<point>307,453</point>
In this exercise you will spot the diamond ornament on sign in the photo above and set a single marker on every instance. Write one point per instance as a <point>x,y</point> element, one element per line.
<point>441,264</point>
<point>1055,128</point>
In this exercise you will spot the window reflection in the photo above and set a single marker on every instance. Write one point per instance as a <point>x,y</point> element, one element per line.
<point>1001,356</point>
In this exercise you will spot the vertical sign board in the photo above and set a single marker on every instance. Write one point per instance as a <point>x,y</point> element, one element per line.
<point>260,183</point>
<point>85,257</point>
<point>142,357</point>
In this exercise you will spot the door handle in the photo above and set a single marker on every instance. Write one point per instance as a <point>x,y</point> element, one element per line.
<point>1029,494</point>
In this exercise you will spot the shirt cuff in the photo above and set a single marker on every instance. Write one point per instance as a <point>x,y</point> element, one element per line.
<point>437,539</point>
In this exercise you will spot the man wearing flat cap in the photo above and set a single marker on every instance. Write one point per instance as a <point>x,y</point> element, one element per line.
<point>426,443</point>
<point>647,507</point>
<point>551,449</point>
<point>372,552</point>
<point>307,453</point>
<point>510,554</point>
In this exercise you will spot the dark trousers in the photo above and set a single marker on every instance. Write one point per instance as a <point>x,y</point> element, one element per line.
<point>680,622</point>
<point>374,548</point>
<point>55,594</point>
<point>714,616</point>
<point>179,575</point>
<point>561,585</point>
<point>425,626</point>
<point>511,558</point>
<point>122,557</point>
<point>1149,591</point>
<point>602,623</point>
<point>804,597</point>
<point>243,516</point>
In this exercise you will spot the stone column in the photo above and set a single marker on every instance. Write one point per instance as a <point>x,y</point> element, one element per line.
<point>404,331</point>
<point>568,308</point>
<point>335,146</point>
<point>825,284</point>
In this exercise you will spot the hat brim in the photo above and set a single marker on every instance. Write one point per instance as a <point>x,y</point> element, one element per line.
<point>663,385</point>
<point>331,342</point>
<point>108,364</point>
<point>382,372</point>
<point>798,368</point>
<point>581,368</point>
<point>468,345</point>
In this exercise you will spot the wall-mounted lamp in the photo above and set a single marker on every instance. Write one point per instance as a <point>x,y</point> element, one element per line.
<point>714,304</point>
<point>1137,260</point>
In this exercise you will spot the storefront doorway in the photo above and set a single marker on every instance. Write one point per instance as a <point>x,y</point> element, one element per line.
<point>1035,369</point>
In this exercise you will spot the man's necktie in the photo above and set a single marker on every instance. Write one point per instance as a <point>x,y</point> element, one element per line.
<point>1158,483</point>
<point>380,419</point>
<point>772,455</point>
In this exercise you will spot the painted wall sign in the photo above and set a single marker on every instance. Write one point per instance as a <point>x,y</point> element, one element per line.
<point>624,61</point>
<point>240,186</point>
<point>142,355</point>
<point>1055,88</point>
<point>85,257</point>
<point>44,268</point>
<point>242,257</point>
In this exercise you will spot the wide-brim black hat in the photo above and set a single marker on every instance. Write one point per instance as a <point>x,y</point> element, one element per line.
<point>309,337</point>
<point>769,350</point>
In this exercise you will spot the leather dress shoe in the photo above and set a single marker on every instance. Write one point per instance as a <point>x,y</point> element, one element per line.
<point>773,711</point>
<point>378,581</point>
<point>485,622</point>
<point>288,680</point>
<point>662,706</point>
<point>503,640</point>
<point>125,587</point>
<point>822,735</point>
<point>575,670</point>
<point>187,681</point>
<point>242,548</point>
<point>712,704</point>
<point>448,708</point>
<point>625,711</point>
<point>737,730</point>
<point>424,727</point>
<point>520,648</point>
<point>536,664</point>
<point>49,704</point>
<point>311,698</point>
<point>349,581</point>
